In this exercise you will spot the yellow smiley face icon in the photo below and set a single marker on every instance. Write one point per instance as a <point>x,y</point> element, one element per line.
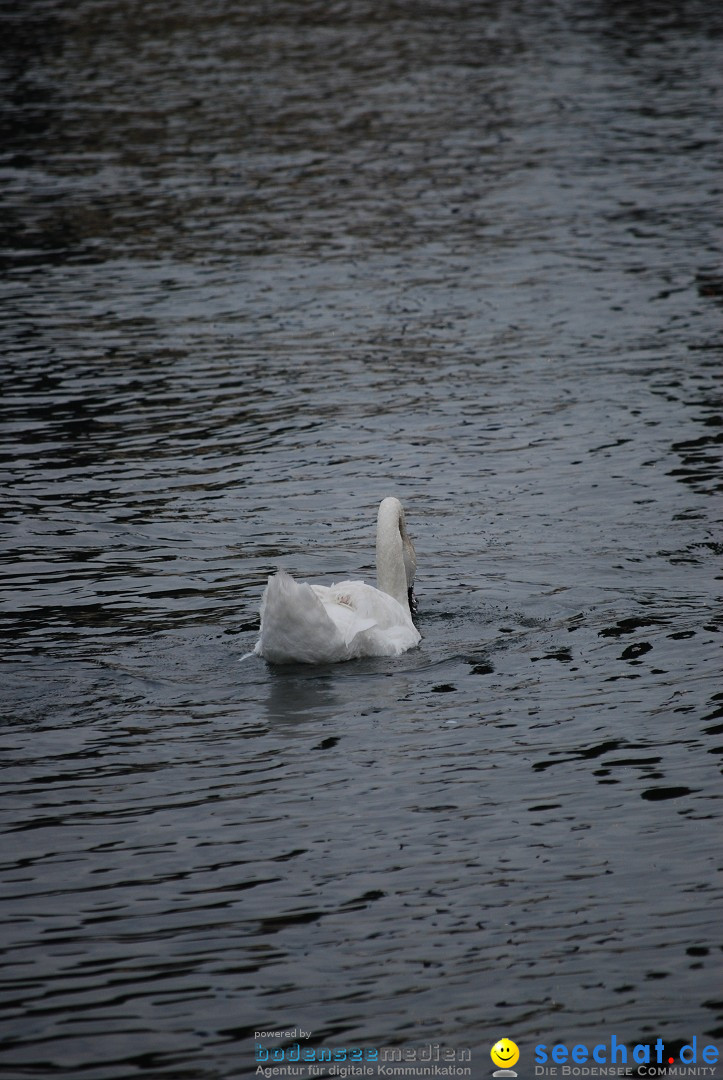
<point>505,1053</point>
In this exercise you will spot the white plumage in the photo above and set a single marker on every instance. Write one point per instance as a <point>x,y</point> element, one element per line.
<point>317,624</point>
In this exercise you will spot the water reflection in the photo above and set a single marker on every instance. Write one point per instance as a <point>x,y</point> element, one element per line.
<point>295,696</point>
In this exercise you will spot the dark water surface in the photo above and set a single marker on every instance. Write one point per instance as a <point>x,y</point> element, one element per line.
<point>263,264</point>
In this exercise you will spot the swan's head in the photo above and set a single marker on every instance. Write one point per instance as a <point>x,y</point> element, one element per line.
<point>396,557</point>
<point>410,567</point>
<point>410,555</point>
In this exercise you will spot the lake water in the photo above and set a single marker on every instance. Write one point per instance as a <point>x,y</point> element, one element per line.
<point>263,264</point>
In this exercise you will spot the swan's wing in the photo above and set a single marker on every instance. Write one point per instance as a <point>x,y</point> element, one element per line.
<point>299,624</point>
<point>368,603</point>
<point>380,625</point>
<point>343,610</point>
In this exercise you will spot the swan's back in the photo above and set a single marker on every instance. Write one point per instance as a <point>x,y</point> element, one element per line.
<point>317,624</point>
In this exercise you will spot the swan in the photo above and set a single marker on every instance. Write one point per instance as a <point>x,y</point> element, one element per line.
<point>321,624</point>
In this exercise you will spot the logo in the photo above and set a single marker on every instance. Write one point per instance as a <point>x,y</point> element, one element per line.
<point>613,1058</point>
<point>505,1054</point>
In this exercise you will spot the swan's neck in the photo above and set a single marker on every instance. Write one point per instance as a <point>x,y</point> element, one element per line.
<point>395,553</point>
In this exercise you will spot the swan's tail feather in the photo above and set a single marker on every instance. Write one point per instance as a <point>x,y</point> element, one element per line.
<point>295,625</point>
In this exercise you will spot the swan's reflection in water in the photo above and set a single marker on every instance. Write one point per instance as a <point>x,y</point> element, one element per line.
<point>299,693</point>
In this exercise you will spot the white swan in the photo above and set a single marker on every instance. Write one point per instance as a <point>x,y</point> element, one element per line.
<point>317,624</point>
